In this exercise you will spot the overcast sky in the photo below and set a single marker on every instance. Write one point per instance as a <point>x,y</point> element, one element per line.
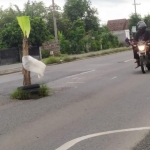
<point>108,9</point>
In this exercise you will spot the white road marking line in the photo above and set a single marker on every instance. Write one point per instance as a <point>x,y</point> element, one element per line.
<point>71,143</point>
<point>75,87</point>
<point>75,78</point>
<point>74,82</point>
<point>113,78</point>
<point>128,60</point>
<point>80,74</point>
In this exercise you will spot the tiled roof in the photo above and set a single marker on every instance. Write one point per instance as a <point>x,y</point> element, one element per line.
<point>117,25</point>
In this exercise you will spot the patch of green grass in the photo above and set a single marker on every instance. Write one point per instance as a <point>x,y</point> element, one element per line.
<point>60,55</point>
<point>92,55</point>
<point>44,91</point>
<point>69,59</point>
<point>66,58</point>
<point>24,95</point>
<point>20,94</point>
<point>107,52</point>
<point>52,60</point>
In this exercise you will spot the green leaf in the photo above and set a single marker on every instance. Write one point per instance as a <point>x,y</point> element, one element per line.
<point>24,23</point>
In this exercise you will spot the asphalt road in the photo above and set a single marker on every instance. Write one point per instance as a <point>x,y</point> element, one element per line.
<point>91,97</point>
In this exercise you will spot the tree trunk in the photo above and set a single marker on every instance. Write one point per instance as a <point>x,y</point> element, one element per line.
<point>26,74</point>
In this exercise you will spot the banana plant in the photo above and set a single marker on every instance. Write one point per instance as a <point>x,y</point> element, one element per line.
<point>24,23</point>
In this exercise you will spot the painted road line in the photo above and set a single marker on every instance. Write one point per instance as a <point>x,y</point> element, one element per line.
<point>128,60</point>
<point>71,143</point>
<point>80,74</point>
<point>74,82</point>
<point>113,78</point>
<point>75,78</point>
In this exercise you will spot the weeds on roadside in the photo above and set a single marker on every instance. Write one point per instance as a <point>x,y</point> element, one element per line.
<point>66,58</point>
<point>25,95</point>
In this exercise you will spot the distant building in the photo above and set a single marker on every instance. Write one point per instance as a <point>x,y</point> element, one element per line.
<point>119,28</point>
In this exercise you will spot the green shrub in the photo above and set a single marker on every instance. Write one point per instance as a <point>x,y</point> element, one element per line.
<point>45,53</point>
<point>121,44</point>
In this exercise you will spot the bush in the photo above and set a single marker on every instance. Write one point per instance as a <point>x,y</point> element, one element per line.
<point>45,53</point>
<point>121,45</point>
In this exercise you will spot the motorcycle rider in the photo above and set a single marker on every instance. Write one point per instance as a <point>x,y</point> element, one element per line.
<point>143,34</point>
<point>127,41</point>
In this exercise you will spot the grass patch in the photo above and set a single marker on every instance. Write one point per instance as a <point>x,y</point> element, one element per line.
<point>24,95</point>
<point>60,55</point>
<point>69,59</point>
<point>58,60</point>
<point>52,60</point>
<point>44,91</point>
<point>66,58</point>
<point>20,94</point>
<point>107,52</point>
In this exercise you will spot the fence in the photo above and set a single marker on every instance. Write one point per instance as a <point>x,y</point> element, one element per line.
<point>14,55</point>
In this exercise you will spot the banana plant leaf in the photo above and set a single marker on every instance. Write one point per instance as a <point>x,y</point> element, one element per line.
<point>24,24</point>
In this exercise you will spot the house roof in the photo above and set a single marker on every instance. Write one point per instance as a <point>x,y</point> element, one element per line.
<point>117,25</point>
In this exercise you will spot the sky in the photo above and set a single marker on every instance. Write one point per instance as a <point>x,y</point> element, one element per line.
<point>108,9</point>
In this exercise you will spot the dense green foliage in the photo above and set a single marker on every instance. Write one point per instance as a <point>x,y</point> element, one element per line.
<point>135,18</point>
<point>79,28</point>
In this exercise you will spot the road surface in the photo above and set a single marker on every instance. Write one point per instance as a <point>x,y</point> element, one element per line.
<point>99,103</point>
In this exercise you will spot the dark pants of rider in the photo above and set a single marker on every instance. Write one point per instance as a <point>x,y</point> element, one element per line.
<point>136,56</point>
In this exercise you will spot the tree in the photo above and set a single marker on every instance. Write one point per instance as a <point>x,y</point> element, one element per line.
<point>78,25</point>
<point>39,32</point>
<point>32,9</point>
<point>90,18</point>
<point>11,36</point>
<point>134,19</point>
<point>76,31</point>
<point>75,34</point>
<point>6,17</point>
<point>63,24</point>
<point>35,9</point>
<point>82,9</point>
<point>75,9</point>
<point>147,20</point>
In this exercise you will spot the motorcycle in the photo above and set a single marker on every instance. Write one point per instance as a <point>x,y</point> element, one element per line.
<point>144,55</point>
<point>127,44</point>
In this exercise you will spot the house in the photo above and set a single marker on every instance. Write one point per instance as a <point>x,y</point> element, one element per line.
<point>119,28</point>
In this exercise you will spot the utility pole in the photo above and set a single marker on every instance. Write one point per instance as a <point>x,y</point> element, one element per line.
<point>135,4</point>
<point>55,24</point>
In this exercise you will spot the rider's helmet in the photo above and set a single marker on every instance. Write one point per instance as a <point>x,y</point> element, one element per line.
<point>141,26</point>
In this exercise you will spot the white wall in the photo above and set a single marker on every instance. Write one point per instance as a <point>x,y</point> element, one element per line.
<point>121,35</point>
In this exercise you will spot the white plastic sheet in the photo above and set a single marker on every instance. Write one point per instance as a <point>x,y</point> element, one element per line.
<point>33,65</point>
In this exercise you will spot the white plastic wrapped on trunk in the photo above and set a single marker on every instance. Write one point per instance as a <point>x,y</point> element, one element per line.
<point>33,65</point>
